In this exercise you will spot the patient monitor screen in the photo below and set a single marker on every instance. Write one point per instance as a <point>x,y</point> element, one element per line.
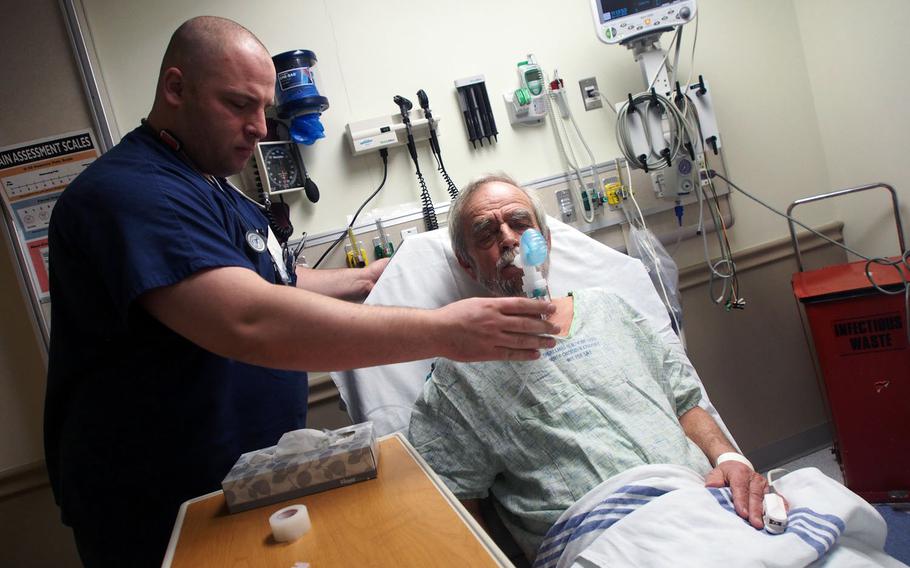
<point>612,9</point>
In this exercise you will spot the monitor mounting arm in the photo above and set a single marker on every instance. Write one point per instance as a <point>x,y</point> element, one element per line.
<point>649,56</point>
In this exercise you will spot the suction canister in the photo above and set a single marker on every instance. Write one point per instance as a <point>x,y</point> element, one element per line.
<point>297,95</point>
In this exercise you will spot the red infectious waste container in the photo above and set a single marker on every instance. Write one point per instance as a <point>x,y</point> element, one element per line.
<point>860,337</point>
<point>861,342</point>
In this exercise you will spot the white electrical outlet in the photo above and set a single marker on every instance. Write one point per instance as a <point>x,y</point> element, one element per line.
<point>405,233</point>
<point>589,93</point>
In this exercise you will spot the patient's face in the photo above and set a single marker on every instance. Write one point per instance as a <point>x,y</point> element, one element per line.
<point>494,220</point>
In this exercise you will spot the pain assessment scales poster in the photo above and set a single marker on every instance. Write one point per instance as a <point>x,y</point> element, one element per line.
<point>33,174</point>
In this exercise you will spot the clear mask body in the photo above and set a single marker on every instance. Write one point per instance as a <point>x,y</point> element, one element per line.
<point>532,259</point>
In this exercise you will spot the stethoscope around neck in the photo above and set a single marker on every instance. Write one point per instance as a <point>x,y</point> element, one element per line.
<point>254,238</point>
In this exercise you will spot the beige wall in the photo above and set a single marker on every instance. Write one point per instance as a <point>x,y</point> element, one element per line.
<point>367,54</point>
<point>788,93</point>
<point>755,363</point>
<point>859,84</point>
<point>42,96</point>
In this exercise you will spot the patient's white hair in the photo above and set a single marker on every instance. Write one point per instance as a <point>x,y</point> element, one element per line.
<point>456,213</point>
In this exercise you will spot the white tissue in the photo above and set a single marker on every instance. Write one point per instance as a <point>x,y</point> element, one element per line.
<point>303,440</point>
<point>263,455</point>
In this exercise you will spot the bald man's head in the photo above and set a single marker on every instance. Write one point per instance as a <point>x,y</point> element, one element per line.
<point>215,82</point>
<point>201,41</point>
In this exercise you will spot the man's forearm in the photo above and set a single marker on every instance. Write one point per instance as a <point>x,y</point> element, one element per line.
<point>343,283</point>
<point>746,486</point>
<point>707,435</point>
<point>233,312</point>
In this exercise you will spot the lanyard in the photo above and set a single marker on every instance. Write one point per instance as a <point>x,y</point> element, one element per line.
<point>254,238</point>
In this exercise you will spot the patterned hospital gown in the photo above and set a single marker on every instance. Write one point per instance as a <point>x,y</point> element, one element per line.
<point>540,434</point>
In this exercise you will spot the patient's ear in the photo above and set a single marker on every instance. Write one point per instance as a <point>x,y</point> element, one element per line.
<point>467,267</point>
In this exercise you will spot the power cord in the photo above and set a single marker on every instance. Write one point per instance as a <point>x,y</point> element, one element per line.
<point>713,173</point>
<point>384,154</point>
<point>904,258</point>
<point>683,125</point>
<point>678,126</point>
<point>724,268</point>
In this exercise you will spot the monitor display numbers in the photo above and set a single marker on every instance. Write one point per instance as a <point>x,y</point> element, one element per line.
<point>612,9</point>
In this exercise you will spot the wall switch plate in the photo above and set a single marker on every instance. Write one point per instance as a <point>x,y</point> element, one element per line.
<point>405,233</point>
<point>590,94</point>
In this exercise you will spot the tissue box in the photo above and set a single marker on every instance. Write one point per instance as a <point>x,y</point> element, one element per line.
<point>262,478</point>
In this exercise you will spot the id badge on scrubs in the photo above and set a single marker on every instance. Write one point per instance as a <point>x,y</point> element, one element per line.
<point>278,258</point>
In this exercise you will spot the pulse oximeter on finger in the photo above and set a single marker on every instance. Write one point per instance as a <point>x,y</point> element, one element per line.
<point>774,513</point>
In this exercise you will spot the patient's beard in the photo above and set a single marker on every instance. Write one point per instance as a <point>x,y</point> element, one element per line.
<point>496,284</point>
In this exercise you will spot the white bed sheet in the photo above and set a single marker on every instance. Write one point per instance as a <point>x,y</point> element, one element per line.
<point>662,515</point>
<point>425,274</point>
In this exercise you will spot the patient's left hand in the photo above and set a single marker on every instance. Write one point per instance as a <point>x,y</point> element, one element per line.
<point>365,278</point>
<point>747,486</point>
<point>373,271</point>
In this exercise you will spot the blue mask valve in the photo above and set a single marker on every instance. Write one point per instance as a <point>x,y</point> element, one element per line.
<point>533,248</point>
<point>534,253</point>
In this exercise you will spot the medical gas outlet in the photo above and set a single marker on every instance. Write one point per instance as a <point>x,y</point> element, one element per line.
<point>566,206</point>
<point>528,103</point>
<point>613,194</point>
<point>591,198</point>
<point>677,181</point>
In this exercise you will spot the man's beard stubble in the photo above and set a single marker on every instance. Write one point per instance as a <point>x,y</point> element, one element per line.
<point>499,286</point>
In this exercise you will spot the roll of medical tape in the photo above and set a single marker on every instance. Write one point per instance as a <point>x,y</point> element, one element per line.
<point>290,523</point>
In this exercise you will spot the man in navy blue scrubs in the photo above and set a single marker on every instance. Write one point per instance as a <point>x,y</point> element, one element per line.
<point>177,343</point>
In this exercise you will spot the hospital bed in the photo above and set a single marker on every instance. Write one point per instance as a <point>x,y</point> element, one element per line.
<point>425,274</point>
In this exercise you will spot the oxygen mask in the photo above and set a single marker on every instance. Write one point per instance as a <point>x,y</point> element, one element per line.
<point>532,259</point>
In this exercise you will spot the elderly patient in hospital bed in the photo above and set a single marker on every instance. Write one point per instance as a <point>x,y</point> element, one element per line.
<point>609,429</point>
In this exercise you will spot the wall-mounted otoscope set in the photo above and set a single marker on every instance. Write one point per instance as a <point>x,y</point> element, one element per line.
<point>429,212</point>
<point>406,128</point>
<point>434,143</point>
